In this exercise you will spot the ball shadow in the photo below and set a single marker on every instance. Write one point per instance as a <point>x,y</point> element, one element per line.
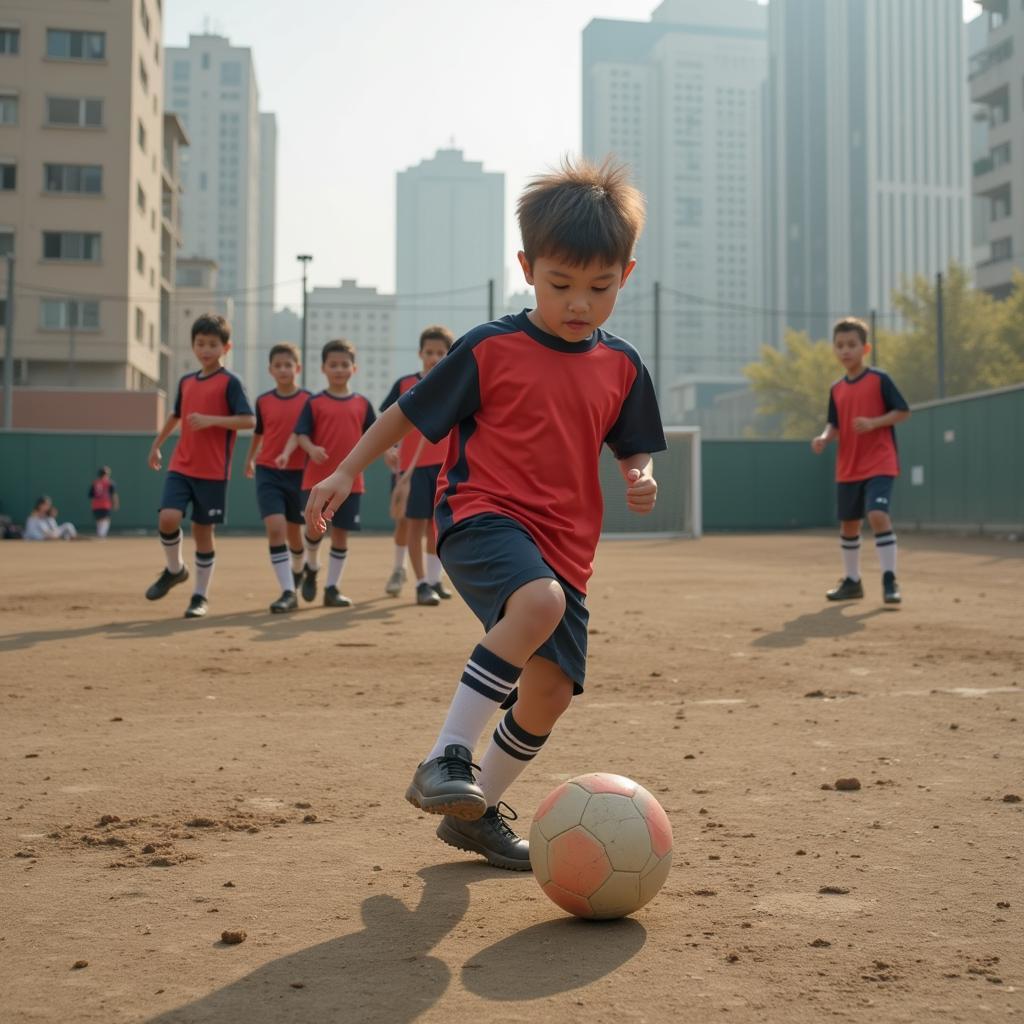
<point>552,957</point>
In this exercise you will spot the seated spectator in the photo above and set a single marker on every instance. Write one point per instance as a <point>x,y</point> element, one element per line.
<point>42,523</point>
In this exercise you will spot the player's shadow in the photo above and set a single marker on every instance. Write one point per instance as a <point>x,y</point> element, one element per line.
<point>830,621</point>
<point>552,957</point>
<point>384,973</point>
<point>265,625</point>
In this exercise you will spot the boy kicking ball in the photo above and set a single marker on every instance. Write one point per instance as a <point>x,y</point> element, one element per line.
<point>529,400</point>
<point>279,490</point>
<point>211,407</point>
<point>863,407</point>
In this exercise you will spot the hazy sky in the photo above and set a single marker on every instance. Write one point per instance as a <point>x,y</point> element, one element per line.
<point>362,90</point>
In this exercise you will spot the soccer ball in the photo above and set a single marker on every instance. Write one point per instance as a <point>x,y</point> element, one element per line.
<point>600,846</point>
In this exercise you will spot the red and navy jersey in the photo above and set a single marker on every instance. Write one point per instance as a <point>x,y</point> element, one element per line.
<point>862,456</point>
<point>206,454</point>
<point>528,414</point>
<point>276,416</point>
<point>433,453</point>
<point>335,422</point>
<point>101,494</point>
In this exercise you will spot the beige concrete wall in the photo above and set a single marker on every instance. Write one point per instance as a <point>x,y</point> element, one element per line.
<point>80,409</point>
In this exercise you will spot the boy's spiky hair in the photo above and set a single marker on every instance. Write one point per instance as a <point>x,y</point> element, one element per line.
<point>342,345</point>
<point>212,323</point>
<point>851,323</point>
<point>581,212</point>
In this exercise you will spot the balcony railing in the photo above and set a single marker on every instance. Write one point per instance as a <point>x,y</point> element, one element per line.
<point>983,166</point>
<point>982,62</point>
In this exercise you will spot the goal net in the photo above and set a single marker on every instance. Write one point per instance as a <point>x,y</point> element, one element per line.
<point>678,511</point>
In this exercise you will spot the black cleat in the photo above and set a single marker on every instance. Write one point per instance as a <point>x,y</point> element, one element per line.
<point>890,589</point>
<point>196,607</point>
<point>426,595</point>
<point>441,590</point>
<point>490,836</point>
<point>445,785</point>
<point>393,587</point>
<point>287,602</point>
<point>846,590</point>
<point>164,582</point>
<point>334,599</point>
<point>308,584</point>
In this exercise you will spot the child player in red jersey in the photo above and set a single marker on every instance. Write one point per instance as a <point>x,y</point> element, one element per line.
<point>529,400</point>
<point>863,407</point>
<point>435,342</point>
<point>328,428</point>
<point>211,407</point>
<point>103,499</point>
<point>279,491</point>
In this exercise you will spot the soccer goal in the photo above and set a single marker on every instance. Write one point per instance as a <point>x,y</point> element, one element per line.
<point>678,511</point>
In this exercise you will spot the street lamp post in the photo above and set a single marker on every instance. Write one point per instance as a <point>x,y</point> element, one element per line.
<point>304,259</point>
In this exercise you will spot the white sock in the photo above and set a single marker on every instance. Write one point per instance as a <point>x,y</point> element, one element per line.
<point>312,552</point>
<point>851,556</point>
<point>511,749</point>
<point>336,565</point>
<point>885,545</point>
<point>400,552</point>
<point>282,568</point>
<point>102,527</point>
<point>172,550</point>
<point>433,569</point>
<point>298,559</point>
<point>204,572</point>
<point>486,681</point>
<point>424,580</point>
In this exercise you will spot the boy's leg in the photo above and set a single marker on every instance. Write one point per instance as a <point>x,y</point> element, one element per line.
<point>418,531</point>
<point>393,587</point>
<point>169,525</point>
<point>312,560</point>
<point>333,597</point>
<point>277,535</point>
<point>295,549</point>
<point>202,535</point>
<point>103,526</point>
<point>849,540</point>
<point>885,546</point>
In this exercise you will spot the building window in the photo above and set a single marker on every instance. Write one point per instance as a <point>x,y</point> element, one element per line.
<point>81,246</point>
<point>140,262</point>
<point>1002,249</point>
<point>140,323</point>
<point>10,41</point>
<point>65,45</point>
<point>181,70</point>
<point>140,198</point>
<point>6,243</point>
<point>8,109</point>
<point>8,177</point>
<point>143,75</point>
<point>73,178</point>
<point>81,113</point>
<point>144,15</point>
<point>62,314</point>
<point>141,135</point>
<point>231,73</point>
<point>205,62</point>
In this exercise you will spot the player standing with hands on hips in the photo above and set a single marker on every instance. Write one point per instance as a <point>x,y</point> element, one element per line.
<point>529,400</point>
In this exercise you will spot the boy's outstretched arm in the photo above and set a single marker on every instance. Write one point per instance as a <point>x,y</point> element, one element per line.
<point>327,496</point>
<point>250,458</point>
<point>641,487</point>
<point>155,458</point>
<point>818,443</point>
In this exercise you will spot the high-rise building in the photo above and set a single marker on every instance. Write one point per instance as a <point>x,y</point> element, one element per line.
<point>366,318</point>
<point>869,176</point>
<point>268,232</point>
<point>996,74</point>
<point>227,216</point>
<point>86,176</point>
<point>679,100</point>
<point>450,246</point>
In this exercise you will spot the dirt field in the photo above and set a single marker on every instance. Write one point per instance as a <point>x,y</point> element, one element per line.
<point>719,679</point>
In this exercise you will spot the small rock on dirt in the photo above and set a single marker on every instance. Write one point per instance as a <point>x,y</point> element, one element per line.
<point>232,937</point>
<point>107,819</point>
<point>1011,798</point>
<point>820,944</point>
<point>833,890</point>
<point>79,964</point>
<point>849,785</point>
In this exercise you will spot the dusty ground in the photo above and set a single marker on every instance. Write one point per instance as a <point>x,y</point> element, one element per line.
<point>719,679</point>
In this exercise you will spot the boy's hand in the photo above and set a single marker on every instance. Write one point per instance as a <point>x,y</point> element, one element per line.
<point>641,492</point>
<point>155,459</point>
<point>250,469</point>
<point>864,424</point>
<point>199,421</point>
<point>281,461</point>
<point>391,459</point>
<point>318,454</point>
<point>818,444</point>
<point>325,499</point>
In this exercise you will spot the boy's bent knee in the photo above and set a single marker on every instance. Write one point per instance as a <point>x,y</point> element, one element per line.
<point>880,522</point>
<point>541,602</point>
<point>169,520</point>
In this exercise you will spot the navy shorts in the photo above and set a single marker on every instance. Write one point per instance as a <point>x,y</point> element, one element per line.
<point>208,498</point>
<point>100,513</point>
<point>347,516</point>
<point>279,493</point>
<point>854,500</point>
<point>488,558</point>
<point>422,489</point>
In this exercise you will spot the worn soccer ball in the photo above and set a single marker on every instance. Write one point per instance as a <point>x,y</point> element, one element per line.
<point>600,846</point>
